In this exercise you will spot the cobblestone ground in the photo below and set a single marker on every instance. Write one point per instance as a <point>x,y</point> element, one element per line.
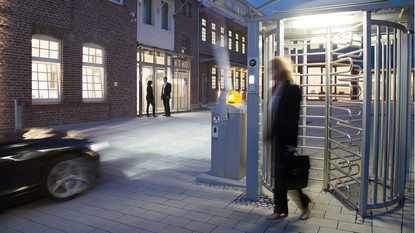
<point>147,184</point>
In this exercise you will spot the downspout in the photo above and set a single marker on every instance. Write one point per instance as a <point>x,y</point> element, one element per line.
<point>198,55</point>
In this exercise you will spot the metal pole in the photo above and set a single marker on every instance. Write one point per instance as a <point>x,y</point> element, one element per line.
<point>252,167</point>
<point>326,176</point>
<point>367,99</point>
<point>376,117</point>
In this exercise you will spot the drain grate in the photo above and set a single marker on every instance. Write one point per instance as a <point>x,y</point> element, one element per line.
<point>264,202</point>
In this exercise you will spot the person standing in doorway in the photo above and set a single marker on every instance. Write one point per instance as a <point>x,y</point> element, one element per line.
<point>150,98</point>
<point>165,96</point>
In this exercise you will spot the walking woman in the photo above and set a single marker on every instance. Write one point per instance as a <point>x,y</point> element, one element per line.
<point>150,98</point>
<point>285,105</point>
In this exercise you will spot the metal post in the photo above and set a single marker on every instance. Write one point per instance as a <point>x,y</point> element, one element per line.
<point>252,168</point>
<point>326,176</point>
<point>367,99</point>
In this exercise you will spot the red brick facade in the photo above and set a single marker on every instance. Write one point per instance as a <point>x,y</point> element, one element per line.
<point>203,57</point>
<point>73,23</point>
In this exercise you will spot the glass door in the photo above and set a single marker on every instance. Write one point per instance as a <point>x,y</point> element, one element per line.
<point>158,86</point>
<point>147,76</point>
<point>182,90</point>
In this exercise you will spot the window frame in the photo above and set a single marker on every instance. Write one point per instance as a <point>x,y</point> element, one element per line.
<point>214,78</point>
<point>47,62</point>
<point>213,29</point>
<point>237,80</point>
<point>165,16</point>
<point>222,36</point>
<point>237,42</point>
<point>243,81</point>
<point>243,49</point>
<point>187,46</point>
<point>204,29</point>
<point>186,8</point>
<point>222,79</point>
<point>94,66</point>
<point>147,12</point>
<point>230,41</point>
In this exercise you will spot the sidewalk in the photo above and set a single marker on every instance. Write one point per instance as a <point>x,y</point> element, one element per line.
<point>147,184</point>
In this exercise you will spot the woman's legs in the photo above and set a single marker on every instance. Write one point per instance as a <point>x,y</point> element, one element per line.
<point>302,201</point>
<point>280,202</point>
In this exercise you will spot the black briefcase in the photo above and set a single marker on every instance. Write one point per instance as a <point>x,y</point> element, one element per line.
<point>293,174</point>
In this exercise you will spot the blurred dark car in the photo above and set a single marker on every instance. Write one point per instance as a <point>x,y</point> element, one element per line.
<point>38,161</point>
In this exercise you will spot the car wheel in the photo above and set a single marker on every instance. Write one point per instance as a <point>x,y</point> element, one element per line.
<point>67,178</point>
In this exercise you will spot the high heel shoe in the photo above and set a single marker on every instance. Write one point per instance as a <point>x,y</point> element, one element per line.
<point>275,216</point>
<point>306,213</point>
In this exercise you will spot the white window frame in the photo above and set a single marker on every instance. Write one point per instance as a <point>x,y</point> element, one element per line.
<point>204,31</point>
<point>93,90</point>
<point>222,79</point>
<point>222,36</point>
<point>237,80</point>
<point>229,39</point>
<point>243,45</point>
<point>46,52</point>
<point>213,33</point>
<point>243,82</point>
<point>214,78</point>
<point>237,42</point>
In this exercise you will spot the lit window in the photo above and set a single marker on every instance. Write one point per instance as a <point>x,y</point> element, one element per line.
<point>147,11</point>
<point>230,40</point>
<point>214,79</point>
<point>204,36</point>
<point>230,76</point>
<point>243,45</point>
<point>222,36</point>
<point>165,16</point>
<point>236,42</point>
<point>237,81</point>
<point>93,73</point>
<point>222,79</point>
<point>213,33</point>
<point>46,61</point>
<point>243,84</point>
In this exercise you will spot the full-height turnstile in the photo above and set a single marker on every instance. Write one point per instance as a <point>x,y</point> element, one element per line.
<point>355,110</point>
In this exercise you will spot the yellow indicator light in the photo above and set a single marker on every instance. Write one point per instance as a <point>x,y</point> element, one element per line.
<point>231,99</point>
<point>234,98</point>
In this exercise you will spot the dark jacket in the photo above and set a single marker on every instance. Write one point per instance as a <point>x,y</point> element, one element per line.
<point>150,95</point>
<point>167,91</point>
<point>285,125</point>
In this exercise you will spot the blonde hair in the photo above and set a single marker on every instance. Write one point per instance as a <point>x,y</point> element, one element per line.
<point>282,68</point>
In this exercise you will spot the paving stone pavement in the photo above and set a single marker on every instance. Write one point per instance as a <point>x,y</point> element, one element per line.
<point>147,184</point>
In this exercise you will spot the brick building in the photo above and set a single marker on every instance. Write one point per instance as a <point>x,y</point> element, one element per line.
<point>67,61</point>
<point>217,37</point>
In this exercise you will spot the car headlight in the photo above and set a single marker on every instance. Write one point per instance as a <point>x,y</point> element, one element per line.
<point>97,146</point>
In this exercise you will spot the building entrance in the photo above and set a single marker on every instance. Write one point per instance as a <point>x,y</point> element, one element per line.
<point>154,65</point>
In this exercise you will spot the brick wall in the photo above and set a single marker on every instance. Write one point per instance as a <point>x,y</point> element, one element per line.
<point>190,27</point>
<point>186,27</point>
<point>73,22</point>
